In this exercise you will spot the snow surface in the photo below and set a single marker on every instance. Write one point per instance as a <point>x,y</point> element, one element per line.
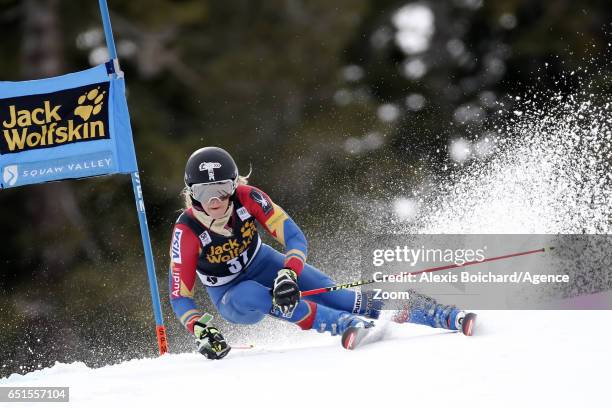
<point>517,358</point>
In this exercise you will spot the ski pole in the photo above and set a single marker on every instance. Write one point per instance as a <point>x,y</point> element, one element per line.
<point>242,346</point>
<point>434,269</point>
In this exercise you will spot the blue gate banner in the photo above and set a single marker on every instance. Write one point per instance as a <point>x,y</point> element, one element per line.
<point>72,126</point>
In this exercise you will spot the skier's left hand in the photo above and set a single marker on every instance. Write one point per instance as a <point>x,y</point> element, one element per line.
<point>210,341</point>
<point>286,293</point>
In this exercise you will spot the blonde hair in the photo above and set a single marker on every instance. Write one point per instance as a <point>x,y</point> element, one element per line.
<point>241,181</point>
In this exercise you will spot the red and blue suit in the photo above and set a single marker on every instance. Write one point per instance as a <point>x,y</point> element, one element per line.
<point>238,270</point>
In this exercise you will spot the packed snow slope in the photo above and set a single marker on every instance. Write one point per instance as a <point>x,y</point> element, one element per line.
<point>517,358</point>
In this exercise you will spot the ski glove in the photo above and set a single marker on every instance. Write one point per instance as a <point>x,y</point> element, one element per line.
<point>209,340</point>
<point>286,293</point>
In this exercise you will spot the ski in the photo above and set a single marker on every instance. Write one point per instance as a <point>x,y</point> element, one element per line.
<point>468,323</point>
<point>353,336</point>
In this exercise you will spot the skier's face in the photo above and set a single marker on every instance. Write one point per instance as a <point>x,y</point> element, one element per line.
<point>217,207</point>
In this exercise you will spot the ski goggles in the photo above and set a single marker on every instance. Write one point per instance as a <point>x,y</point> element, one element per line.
<point>205,192</point>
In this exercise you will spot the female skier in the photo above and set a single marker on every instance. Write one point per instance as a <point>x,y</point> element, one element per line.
<point>216,239</point>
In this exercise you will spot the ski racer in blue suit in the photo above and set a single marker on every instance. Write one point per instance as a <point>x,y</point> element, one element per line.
<point>217,240</point>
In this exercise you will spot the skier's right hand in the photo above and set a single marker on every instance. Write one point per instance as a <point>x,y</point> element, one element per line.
<point>210,341</point>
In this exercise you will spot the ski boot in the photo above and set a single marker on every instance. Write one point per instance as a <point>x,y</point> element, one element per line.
<point>353,328</point>
<point>426,311</point>
<point>356,330</point>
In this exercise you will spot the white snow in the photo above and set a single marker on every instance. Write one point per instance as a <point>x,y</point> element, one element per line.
<point>405,208</point>
<point>460,149</point>
<point>388,112</point>
<point>415,28</point>
<point>414,68</point>
<point>517,358</point>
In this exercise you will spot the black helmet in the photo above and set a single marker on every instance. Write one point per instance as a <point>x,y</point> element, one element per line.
<point>210,165</point>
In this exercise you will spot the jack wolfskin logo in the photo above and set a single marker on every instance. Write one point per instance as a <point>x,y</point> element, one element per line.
<point>58,118</point>
<point>90,103</point>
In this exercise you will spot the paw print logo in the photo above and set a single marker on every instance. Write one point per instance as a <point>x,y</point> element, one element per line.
<point>248,229</point>
<point>90,104</point>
